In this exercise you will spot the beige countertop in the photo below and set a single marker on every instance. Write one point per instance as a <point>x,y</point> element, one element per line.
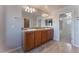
<point>35,29</point>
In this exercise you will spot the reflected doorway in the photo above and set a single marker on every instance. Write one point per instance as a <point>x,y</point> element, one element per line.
<point>26,22</point>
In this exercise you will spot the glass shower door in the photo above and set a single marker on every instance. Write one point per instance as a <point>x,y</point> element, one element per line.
<point>65,29</point>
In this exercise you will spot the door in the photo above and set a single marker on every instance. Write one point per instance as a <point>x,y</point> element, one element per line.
<point>13,25</point>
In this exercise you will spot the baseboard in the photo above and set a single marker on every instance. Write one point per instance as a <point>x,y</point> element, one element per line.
<point>11,50</point>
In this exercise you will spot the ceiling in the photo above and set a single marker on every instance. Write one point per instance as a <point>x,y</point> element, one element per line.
<point>48,8</point>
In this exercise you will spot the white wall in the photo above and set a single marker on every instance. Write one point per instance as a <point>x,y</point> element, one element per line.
<point>13,26</point>
<point>10,27</point>
<point>56,30</point>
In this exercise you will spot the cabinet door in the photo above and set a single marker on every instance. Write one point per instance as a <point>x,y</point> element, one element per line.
<point>37,38</point>
<point>50,34</point>
<point>43,36</point>
<point>47,35</point>
<point>28,40</point>
<point>53,33</point>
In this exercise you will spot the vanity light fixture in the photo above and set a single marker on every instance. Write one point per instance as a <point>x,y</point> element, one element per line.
<point>30,9</point>
<point>27,8</point>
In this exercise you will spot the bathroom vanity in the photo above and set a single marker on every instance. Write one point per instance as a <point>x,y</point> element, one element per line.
<point>36,36</point>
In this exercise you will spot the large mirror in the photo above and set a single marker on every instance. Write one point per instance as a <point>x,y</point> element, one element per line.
<point>48,22</point>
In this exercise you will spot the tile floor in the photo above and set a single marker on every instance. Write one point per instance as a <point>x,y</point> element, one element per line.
<point>52,47</point>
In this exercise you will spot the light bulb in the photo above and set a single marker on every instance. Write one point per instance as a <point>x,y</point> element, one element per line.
<point>33,9</point>
<point>27,7</point>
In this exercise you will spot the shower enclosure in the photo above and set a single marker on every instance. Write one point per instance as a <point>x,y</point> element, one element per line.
<point>65,27</point>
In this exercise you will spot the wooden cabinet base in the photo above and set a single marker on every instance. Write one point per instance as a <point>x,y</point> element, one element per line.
<point>28,40</point>
<point>43,36</point>
<point>37,38</point>
<point>33,39</point>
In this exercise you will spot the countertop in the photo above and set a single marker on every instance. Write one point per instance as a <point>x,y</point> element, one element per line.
<point>36,29</point>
